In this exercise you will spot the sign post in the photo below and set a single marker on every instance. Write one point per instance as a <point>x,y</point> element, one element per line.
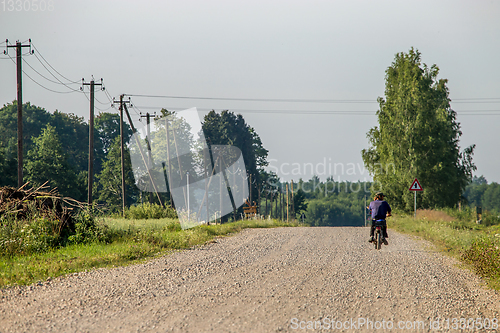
<point>415,186</point>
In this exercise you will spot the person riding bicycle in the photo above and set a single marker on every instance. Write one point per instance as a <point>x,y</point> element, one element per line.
<point>379,209</point>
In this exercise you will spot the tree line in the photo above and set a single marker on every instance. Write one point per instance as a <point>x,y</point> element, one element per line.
<point>481,194</point>
<point>56,150</point>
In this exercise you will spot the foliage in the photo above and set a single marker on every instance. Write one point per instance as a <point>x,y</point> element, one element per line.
<point>475,244</point>
<point>88,228</point>
<point>418,137</point>
<point>8,165</point>
<point>481,194</point>
<point>299,202</point>
<point>71,129</point>
<point>73,133</point>
<point>130,241</point>
<point>39,233</point>
<point>149,211</point>
<point>107,126</point>
<point>484,257</point>
<point>335,203</point>
<point>48,161</point>
<point>33,235</point>
<point>227,128</point>
<point>109,182</point>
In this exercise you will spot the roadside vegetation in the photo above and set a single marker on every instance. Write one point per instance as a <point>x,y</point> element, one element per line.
<point>457,234</point>
<point>33,250</point>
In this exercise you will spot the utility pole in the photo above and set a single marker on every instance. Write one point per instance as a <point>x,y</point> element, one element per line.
<point>148,117</point>
<point>141,152</point>
<point>19,47</point>
<point>169,168</point>
<point>92,85</point>
<point>287,204</point>
<point>250,192</point>
<point>122,150</point>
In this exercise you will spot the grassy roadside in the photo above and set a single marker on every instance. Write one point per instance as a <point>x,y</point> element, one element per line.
<point>132,241</point>
<point>458,235</point>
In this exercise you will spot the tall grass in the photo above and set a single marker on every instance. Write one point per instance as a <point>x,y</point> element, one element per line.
<point>126,241</point>
<point>458,234</point>
<point>38,232</point>
<point>148,211</point>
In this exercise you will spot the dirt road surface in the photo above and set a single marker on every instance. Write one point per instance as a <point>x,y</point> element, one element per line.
<point>264,280</point>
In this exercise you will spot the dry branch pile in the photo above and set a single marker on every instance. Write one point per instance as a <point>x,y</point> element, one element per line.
<point>24,204</point>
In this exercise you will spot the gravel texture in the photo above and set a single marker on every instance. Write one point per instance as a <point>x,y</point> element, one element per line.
<point>259,281</point>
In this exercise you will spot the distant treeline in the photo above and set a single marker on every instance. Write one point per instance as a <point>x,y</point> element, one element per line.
<point>481,194</point>
<point>332,203</point>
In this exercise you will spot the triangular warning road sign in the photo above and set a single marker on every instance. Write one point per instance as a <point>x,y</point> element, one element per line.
<point>415,186</point>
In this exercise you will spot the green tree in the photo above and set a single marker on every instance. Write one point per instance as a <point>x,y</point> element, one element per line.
<point>299,202</point>
<point>109,182</point>
<point>71,130</point>
<point>417,137</point>
<point>8,166</point>
<point>474,192</point>
<point>107,126</point>
<point>227,128</point>
<point>48,162</point>
<point>491,198</point>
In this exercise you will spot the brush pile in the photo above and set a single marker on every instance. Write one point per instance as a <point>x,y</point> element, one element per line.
<point>24,204</point>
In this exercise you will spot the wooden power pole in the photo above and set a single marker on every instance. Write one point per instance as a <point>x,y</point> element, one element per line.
<point>19,47</point>
<point>122,150</point>
<point>92,85</point>
<point>148,134</point>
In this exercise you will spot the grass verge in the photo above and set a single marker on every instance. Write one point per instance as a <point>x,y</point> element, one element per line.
<point>458,235</point>
<point>132,241</point>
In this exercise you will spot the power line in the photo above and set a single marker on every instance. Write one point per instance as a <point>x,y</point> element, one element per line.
<point>298,100</point>
<point>291,100</point>
<point>63,83</point>
<point>316,112</point>
<point>41,55</point>
<point>102,110</point>
<point>55,91</point>
<point>75,90</point>
<point>478,98</point>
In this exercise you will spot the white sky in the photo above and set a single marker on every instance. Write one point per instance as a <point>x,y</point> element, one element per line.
<point>266,49</point>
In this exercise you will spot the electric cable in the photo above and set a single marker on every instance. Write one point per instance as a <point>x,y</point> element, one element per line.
<point>311,112</point>
<point>291,100</point>
<point>41,55</point>
<point>29,77</point>
<point>46,78</point>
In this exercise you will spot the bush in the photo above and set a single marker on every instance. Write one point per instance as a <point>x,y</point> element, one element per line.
<point>38,233</point>
<point>149,211</point>
<point>24,237</point>
<point>484,257</point>
<point>35,233</point>
<point>89,228</point>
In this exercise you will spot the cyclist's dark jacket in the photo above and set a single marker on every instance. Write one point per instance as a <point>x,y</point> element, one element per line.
<point>379,209</point>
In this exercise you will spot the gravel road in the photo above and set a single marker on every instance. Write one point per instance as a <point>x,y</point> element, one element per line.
<point>262,280</point>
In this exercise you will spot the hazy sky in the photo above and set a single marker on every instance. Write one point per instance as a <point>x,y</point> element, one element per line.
<point>317,50</point>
